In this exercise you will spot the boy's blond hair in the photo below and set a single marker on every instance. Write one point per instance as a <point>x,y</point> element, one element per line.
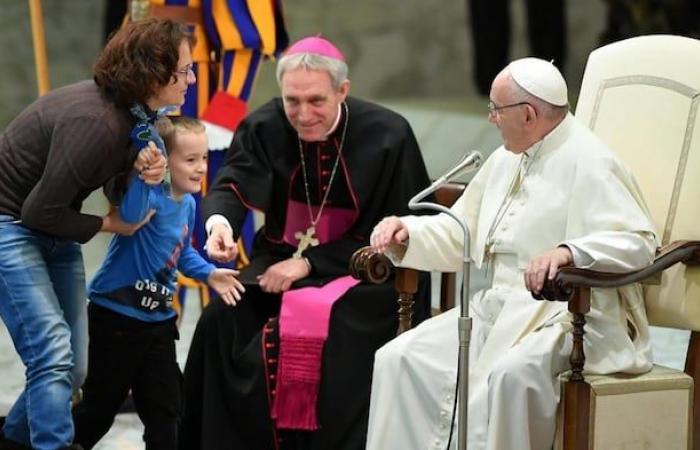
<point>179,125</point>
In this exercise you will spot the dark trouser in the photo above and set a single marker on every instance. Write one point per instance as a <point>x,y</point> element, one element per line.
<point>126,354</point>
<point>490,26</point>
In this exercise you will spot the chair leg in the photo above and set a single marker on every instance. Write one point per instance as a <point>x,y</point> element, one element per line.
<point>692,368</point>
<point>406,284</point>
<point>577,410</point>
<point>577,392</point>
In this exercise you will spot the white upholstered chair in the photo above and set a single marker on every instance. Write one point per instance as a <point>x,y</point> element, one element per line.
<point>641,96</point>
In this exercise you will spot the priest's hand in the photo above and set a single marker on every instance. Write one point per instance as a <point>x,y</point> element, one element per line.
<point>220,245</point>
<point>545,266</point>
<point>387,232</point>
<point>280,276</point>
<point>225,283</point>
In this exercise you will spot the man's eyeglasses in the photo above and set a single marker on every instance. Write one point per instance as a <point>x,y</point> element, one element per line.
<point>493,109</point>
<point>186,71</point>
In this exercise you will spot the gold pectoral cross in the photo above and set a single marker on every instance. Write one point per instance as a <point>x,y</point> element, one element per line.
<point>306,240</point>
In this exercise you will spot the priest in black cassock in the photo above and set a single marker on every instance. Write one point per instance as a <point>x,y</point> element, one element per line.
<point>289,366</point>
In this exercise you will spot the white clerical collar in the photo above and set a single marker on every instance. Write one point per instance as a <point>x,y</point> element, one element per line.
<point>336,122</point>
<point>557,134</point>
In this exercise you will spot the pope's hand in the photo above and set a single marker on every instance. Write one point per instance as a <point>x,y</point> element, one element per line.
<point>220,245</point>
<point>387,232</point>
<point>545,266</point>
<point>280,276</point>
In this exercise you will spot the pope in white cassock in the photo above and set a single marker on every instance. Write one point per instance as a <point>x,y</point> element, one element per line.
<point>552,195</point>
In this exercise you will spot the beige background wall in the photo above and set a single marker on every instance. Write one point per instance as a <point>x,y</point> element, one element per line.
<point>398,49</point>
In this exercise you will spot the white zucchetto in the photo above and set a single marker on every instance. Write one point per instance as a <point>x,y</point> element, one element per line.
<point>541,79</point>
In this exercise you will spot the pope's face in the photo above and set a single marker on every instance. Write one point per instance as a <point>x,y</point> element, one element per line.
<point>310,102</point>
<point>511,120</point>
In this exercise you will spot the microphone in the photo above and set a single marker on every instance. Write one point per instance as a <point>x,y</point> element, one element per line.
<point>469,163</point>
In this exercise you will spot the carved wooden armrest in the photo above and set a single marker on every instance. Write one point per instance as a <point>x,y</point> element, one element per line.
<point>567,278</point>
<point>371,266</point>
<point>574,286</point>
<point>374,267</point>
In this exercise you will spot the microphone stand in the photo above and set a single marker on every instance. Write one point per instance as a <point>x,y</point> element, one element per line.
<point>464,322</point>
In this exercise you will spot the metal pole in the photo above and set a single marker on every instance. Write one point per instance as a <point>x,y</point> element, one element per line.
<point>40,60</point>
<point>465,329</point>
<point>464,322</point>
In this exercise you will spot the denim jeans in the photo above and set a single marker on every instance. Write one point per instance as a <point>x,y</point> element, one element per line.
<point>42,303</point>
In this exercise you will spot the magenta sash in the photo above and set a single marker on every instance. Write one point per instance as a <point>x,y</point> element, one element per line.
<point>331,226</point>
<point>303,323</point>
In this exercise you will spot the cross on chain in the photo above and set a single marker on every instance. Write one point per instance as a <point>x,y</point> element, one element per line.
<point>306,240</point>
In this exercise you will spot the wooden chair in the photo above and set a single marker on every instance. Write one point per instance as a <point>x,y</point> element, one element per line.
<point>641,96</point>
<point>367,265</point>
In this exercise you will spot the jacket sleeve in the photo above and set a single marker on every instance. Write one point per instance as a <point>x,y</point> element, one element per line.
<point>136,202</point>
<point>608,222</point>
<point>245,160</point>
<point>190,262</point>
<point>80,157</point>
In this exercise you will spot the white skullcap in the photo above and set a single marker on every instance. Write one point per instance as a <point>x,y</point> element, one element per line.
<point>541,79</point>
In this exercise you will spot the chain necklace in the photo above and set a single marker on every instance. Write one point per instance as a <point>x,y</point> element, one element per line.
<point>308,239</point>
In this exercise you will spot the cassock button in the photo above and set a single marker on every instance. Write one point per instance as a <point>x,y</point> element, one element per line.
<point>325,172</point>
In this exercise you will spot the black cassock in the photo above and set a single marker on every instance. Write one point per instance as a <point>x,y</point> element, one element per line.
<point>230,371</point>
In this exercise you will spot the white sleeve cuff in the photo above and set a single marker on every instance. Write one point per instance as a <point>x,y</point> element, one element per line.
<point>582,259</point>
<point>216,219</point>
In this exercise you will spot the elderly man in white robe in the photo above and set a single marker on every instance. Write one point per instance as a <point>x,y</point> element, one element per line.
<point>553,195</point>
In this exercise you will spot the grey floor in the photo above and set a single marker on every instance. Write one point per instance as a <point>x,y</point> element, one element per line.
<point>445,131</point>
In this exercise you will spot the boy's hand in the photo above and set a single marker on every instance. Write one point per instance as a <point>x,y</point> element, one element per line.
<point>113,223</point>
<point>224,282</point>
<point>220,245</point>
<point>151,164</point>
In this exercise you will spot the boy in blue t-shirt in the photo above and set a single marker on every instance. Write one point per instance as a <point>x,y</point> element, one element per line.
<point>131,319</point>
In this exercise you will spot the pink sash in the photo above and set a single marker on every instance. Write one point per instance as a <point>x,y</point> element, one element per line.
<point>303,329</point>
<point>331,226</point>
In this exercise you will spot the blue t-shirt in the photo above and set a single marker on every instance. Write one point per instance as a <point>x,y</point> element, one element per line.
<point>137,277</point>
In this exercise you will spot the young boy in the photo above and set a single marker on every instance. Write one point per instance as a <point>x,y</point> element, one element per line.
<point>131,321</point>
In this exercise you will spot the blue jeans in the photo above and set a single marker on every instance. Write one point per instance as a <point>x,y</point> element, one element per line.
<point>42,303</point>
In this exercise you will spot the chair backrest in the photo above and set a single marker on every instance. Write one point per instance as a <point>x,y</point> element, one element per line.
<point>641,96</point>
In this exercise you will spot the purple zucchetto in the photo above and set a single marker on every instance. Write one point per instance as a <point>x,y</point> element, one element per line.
<point>316,45</point>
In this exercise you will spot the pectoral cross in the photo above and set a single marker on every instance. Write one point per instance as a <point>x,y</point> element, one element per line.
<point>306,240</point>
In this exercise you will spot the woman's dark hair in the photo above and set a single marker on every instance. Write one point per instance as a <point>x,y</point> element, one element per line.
<point>139,59</point>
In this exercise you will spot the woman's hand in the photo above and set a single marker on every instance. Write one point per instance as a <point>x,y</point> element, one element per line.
<point>151,164</point>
